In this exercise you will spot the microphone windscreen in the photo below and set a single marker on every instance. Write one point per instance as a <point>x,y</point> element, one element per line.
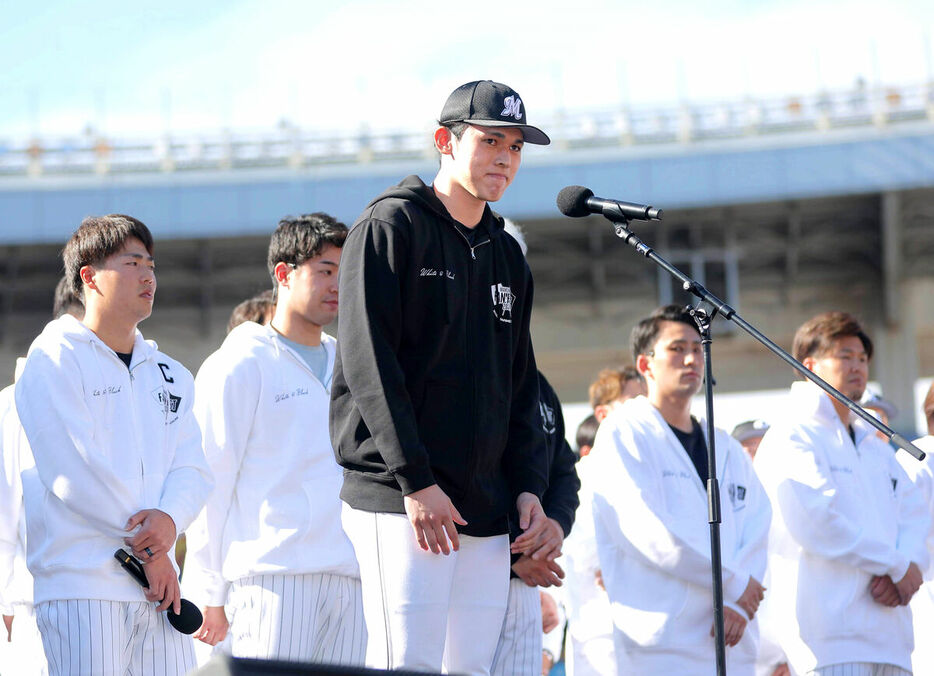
<point>188,620</point>
<point>572,201</point>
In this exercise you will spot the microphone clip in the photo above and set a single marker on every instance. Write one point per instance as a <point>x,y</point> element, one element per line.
<point>614,213</point>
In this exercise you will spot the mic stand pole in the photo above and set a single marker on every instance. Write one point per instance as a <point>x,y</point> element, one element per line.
<point>703,313</point>
<point>702,317</point>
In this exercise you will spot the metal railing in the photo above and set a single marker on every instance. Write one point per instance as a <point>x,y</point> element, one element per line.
<point>290,147</point>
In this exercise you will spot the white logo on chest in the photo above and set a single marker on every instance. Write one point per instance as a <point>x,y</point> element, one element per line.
<point>503,298</point>
<point>431,272</point>
<point>549,420</point>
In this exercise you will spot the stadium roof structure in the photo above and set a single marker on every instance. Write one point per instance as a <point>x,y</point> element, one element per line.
<point>717,154</point>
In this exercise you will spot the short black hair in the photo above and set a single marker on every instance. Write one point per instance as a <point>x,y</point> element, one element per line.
<point>645,333</point>
<point>299,238</point>
<point>97,238</point>
<point>586,432</point>
<point>66,301</point>
<point>457,129</point>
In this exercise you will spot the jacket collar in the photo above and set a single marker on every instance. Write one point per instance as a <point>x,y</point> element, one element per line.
<point>662,430</point>
<point>248,334</point>
<point>74,330</point>
<point>810,401</point>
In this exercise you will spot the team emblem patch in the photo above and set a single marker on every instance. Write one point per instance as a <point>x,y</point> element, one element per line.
<point>512,107</point>
<point>737,495</point>
<point>168,401</point>
<point>503,298</point>
<point>548,418</point>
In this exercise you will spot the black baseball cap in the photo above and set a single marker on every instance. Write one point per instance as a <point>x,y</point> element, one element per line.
<point>490,104</point>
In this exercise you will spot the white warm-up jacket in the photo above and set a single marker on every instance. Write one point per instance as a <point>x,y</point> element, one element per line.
<point>276,506</point>
<point>650,512</point>
<point>844,513</point>
<point>108,441</point>
<point>588,608</point>
<point>15,580</point>
<point>922,605</point>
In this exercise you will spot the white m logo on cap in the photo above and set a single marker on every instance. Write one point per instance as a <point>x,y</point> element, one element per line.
<point>512,105</point>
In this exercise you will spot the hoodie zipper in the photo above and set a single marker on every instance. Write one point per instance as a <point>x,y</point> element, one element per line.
<point>473,248</point>
<point>133,415</point>
<point>142,465</point>
<point>473,460</point>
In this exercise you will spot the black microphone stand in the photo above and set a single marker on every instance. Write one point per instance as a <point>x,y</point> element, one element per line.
<point>708,307</point>
<point>702,317</point>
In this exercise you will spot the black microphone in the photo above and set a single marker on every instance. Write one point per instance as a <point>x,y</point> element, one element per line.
<point>576,201</point>
<point>187,621</point>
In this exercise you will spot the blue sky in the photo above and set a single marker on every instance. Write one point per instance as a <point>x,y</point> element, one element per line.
<point>128,68</point>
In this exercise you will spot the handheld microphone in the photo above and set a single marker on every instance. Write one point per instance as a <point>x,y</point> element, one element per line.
<point>188,621</point>
<point>576,201</point>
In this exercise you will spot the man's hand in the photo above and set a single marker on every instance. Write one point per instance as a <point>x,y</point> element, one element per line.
<point>155,536</point>
<point>538,573</point>
<point>433,516</point>
<point>909,584</point>
<point>8,623</point>
<point>163,584</point>
<point>751,597</point>
<point>549,543</point>
<point>214,628</point>
<point>884,591</point>
<point>782,670</point>
<point>533,522</point>
<point>550,616</point>
<point>734,625</point>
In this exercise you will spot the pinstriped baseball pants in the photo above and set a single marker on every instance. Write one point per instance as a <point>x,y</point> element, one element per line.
<point>860,669</point>
<point>519,650</point>
<point>315,617</point>
<point>88,637</point>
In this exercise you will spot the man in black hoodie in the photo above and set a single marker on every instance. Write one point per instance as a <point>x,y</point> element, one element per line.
<point>434,405</point>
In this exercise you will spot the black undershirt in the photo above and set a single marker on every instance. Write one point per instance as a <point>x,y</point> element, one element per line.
<point>125,357</point>
<point>695,446</point>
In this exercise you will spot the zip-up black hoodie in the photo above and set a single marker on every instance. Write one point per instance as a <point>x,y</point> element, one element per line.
<point>435,381</point>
